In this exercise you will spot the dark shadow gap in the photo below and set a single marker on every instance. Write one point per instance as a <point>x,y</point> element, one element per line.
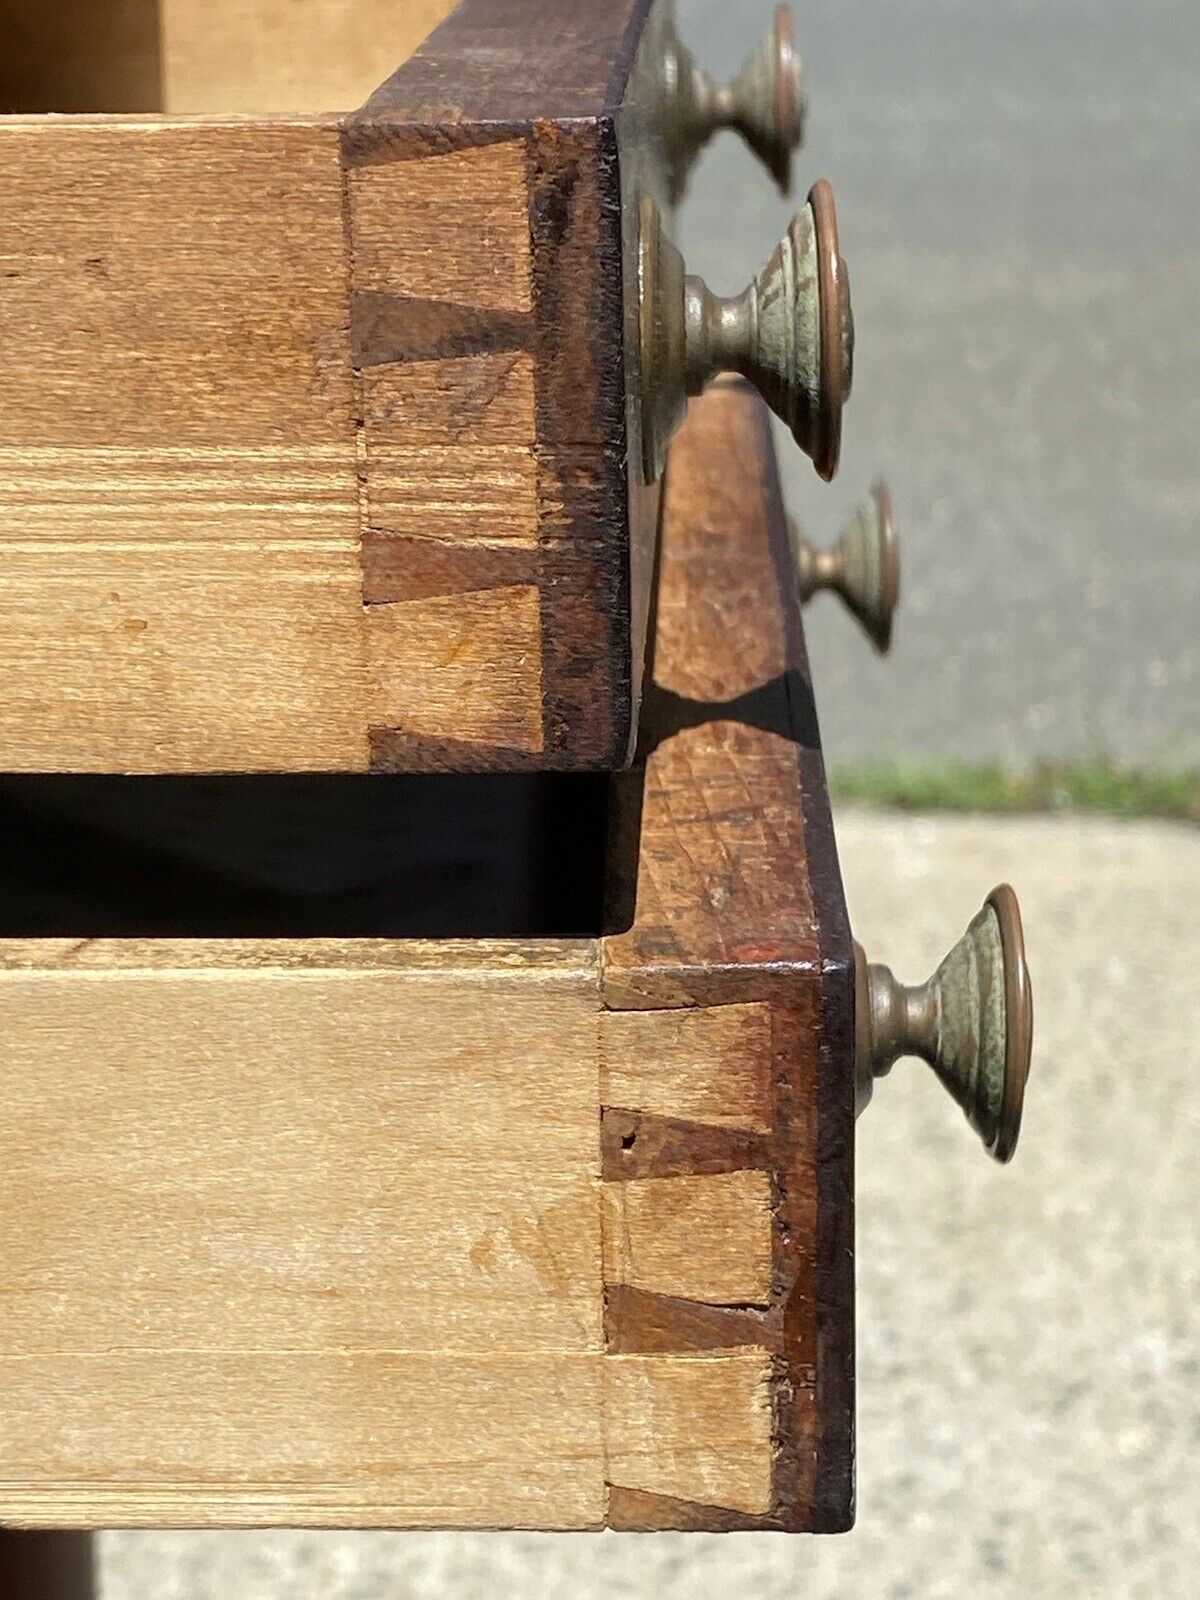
<point>497,856</point>
<point>455,856</point>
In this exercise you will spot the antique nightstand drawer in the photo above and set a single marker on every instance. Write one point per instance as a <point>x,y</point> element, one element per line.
<point>332,439</point>
<point>534,1233</point>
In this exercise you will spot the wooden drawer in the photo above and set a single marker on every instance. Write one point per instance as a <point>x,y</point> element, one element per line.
<point>543,1234</point>
<point>322,436</point>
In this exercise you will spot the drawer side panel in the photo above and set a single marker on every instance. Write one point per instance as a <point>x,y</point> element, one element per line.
<point>303,1244</point>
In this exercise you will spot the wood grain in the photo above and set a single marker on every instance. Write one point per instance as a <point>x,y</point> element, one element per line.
<point>327,1253</point>
<point>223,1270</point>
<point>524,1208</point>
<point>707,1066</point>
<point>180,586</point>
<point>641,1321</point>
<point>465,239</point>
<point>500,135</point>
<point>518,60</point>
<point>506,135</point>
<point>635,1145</point>
<point>433,662</point>
<point>259,57</point>
<point>335,1439</point>
<point>694,1428</point>
<point>706,1238</point>
<point>152,299</point>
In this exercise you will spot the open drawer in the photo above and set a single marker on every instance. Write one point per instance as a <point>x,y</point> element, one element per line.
<point>477,1233</point>
<point>330,439</point>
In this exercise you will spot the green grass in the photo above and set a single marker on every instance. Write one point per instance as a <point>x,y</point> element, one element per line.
<point>960,786</point>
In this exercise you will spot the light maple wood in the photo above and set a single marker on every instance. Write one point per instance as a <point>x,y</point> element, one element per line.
<point>263,56</point>
<point>707,1237</point>
<point>695,1428</point>
<point>168,658</point>
<point>478,400</point>
<point>181,285</point>
<point>329,1251</point>
<point>403,1439</point>
<point>447,461</point>
<point>179,521</point>
<point>433,664</point>
<point>449,494</point>
<point>186,492</point>
<point>463,241</point>
<point>234,1205</point>
<point>318,1254</point>
<point>709,1065</point>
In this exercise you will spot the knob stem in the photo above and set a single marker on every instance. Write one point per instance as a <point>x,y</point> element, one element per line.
<point>905,1021</point>
<point>972,1022</point>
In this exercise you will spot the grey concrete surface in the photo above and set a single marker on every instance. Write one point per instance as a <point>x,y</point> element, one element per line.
<point>1017,189</point>
<point>1029,1403</point>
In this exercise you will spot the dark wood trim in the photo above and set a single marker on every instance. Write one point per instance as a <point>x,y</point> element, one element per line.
<point>394,327</point>
<point>637,1322</point>
<point>835,1483</point>
<point>399,567</point>
<point>553,76</point>
<point>634,1145</point>
<point>738,899</point>
<point>510,61</point>
<point>632,1511</point>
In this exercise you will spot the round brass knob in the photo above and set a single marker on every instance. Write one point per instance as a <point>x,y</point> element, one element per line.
<point>791,333</point>
<point>972,1022</point>
<point>862,568</point>
<point>764,102</point>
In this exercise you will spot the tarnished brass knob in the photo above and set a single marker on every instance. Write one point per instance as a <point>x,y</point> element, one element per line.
<point>764,103</point>
<point>972,1022</point>
<point>791,333</point>
<point>862,568</point>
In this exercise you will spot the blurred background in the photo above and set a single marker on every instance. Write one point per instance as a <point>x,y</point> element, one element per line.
<point>1017,186</point>
<point>1017,195</point>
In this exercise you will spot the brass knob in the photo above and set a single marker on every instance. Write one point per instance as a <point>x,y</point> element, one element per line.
<point>764,102</point>
<point>972,1022</point>
<point>790,333</point>
<point>862,568</point>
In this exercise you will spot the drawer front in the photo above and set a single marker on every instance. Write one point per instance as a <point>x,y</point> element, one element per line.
<point>544,1235</point>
